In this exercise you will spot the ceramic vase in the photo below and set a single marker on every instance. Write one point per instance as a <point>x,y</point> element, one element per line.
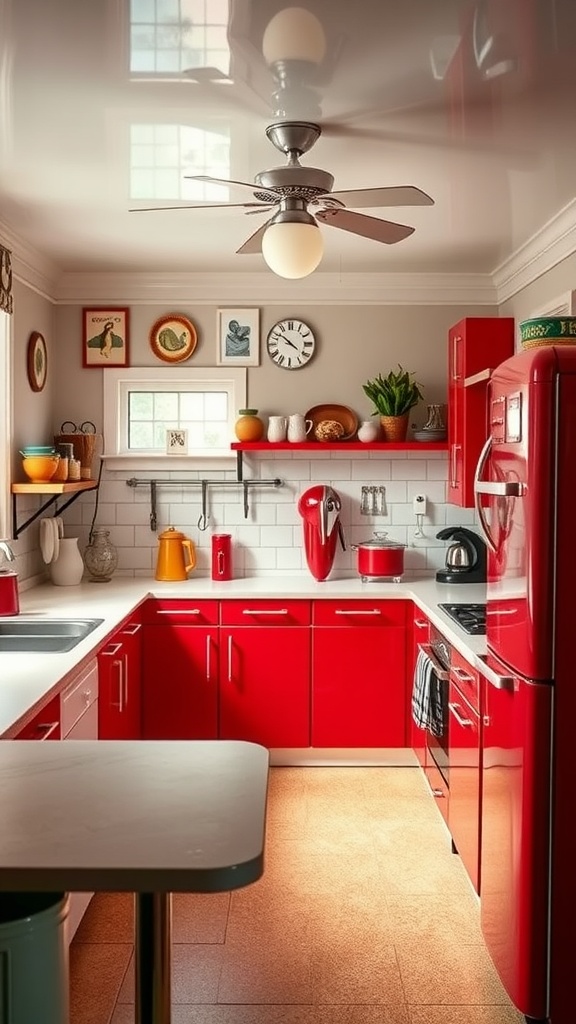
<point>248,426</point>
<point>277,429</point>
<point>368,431</point>
<point>100,557</point>
<point>67,570</point>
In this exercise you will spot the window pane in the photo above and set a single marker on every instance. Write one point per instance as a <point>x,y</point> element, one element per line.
<point>140,435</point>
<point>166,407</point>
<point>191,407</point>
<point>141,405</point>
<point>216,405</point>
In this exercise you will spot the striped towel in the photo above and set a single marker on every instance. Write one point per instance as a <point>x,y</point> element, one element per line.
<point>427,696</point>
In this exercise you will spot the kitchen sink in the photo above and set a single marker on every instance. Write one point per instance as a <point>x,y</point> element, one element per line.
<point>44,635</point>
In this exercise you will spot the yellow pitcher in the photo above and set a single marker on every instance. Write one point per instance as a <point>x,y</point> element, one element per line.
<point>176,556</point>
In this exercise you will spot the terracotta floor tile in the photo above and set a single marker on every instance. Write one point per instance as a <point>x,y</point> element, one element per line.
<point>200,917</point>
<point>270,1014</point>
<point>109,918</point>
<point>449,973</point>
<point>96,975</point>
<point>366,974</point>
<point>464,1015</point>
<point>272,973</point>
<point>195,973</point>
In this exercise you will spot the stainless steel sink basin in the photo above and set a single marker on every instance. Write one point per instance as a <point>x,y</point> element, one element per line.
<point>44,635</point>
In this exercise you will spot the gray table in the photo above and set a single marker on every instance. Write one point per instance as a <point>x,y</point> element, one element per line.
<point>145,817</point>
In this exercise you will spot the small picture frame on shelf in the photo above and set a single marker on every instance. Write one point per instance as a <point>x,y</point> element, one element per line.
<point>238,334</point>
<point>105,337</point>
<point>176,442</point>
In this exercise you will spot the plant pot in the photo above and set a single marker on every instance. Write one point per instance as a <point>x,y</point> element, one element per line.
<point>394,428</point>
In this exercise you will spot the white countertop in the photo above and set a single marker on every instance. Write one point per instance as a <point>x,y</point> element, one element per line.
<point>27,679</point>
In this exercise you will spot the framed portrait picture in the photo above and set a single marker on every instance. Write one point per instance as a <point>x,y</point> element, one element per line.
<point>238,334</point>
<point>173,338</point>
<point>105,337</point>
<point>36,361</point>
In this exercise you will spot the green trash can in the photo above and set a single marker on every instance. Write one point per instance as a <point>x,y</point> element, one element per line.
<point>33,958</point>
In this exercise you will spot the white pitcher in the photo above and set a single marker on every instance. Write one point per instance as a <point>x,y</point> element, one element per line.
<point>298,427</point>
<point>277,429</point>
<point>67,570</point>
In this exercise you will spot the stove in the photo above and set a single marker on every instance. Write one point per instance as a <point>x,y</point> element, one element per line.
<point>470,617</point>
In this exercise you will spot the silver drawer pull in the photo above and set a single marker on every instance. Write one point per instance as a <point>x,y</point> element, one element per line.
<point>47,728</point>
<point>420,623</point>
<point>466,723</point>
<point>132,629</point>
<point>111,651</point>
<point>462,675</point>
<point>264,611</point>
<point>352,611</point>
<point>178,611</point>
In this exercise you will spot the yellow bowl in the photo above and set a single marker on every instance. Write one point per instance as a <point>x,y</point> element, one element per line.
<point>40,468</point>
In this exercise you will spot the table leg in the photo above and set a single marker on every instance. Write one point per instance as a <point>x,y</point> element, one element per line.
<point>152,954</point>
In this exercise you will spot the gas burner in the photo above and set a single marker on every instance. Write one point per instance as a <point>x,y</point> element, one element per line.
<point>470,617</point>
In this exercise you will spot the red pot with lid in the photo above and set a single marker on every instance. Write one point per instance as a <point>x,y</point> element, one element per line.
<point>380,559</point>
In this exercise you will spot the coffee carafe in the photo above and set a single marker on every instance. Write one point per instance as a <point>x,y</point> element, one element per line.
<point>176,556</point>
<point>465,557</point>
<point>320,510</point>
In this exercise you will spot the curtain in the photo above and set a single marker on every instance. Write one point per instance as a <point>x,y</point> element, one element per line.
<point>5,280</point>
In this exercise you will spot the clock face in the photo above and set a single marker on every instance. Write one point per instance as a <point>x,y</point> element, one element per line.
<point>290,344</point>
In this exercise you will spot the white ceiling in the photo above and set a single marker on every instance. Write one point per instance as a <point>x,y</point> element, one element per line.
<point>470,100</point>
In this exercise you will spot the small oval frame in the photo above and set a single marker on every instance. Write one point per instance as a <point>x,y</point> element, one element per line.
<point>36,361</point>
<point>180,326</point>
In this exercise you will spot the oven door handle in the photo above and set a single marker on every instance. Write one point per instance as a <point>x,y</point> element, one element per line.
<point>442,673</point>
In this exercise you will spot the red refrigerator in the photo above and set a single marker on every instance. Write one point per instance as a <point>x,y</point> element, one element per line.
<point>526,501</point>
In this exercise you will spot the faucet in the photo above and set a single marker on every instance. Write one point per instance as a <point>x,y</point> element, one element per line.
<point>7,550</point>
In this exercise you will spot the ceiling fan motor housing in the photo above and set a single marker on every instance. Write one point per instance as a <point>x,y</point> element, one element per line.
<point>294,182</point>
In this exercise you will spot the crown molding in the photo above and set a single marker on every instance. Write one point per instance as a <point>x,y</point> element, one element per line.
<point>267,289</point>
<point>552,243</point>
<point>29,266</point>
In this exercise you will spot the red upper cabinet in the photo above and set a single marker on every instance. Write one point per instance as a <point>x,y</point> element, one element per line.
<point>476,346</point>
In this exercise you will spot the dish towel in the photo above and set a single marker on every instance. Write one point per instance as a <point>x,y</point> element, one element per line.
<point>427,710</point>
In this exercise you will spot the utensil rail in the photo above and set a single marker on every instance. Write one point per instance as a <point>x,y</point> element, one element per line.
<point>203,484</point>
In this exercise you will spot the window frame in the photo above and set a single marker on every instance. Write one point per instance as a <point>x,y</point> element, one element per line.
<point>119,382</point>
<point>6,531</point>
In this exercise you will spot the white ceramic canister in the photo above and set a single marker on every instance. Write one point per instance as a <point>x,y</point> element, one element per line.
<point>67,570</point>
<point>277,429</point>
<point>298,427</point>
<point>368,431</point>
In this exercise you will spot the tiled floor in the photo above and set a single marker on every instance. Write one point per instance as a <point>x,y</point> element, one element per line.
<point>363,916</point>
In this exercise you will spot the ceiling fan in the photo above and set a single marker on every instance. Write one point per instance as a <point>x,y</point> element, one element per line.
<point>290,240</point>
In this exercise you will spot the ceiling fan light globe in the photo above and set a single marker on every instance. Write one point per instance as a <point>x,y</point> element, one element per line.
<point>292,250</point>
<point>294,34</point>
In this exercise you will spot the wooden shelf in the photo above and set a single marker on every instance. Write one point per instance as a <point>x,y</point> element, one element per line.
<point>339,446</point>
<point>55,488</point>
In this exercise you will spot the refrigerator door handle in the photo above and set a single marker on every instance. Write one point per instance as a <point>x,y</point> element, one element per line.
<point>510,489</point>
<point>478,483</point>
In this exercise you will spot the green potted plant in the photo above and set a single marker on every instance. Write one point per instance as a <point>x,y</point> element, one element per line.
<point>393,396</point>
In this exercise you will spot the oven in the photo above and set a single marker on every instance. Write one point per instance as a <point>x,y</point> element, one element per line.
<point>434,660</point>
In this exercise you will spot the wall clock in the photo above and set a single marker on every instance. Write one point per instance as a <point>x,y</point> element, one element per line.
<point>290,344</point>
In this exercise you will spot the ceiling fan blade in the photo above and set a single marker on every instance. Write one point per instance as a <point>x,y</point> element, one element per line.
<point>203,206</point>
<point>229,183</point>
<point>399,195</point>
<point>369,227</point>
<point>254,243</point>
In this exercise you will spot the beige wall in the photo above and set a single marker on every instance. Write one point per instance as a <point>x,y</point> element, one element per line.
<point>556,282</point>
<point>353,343</point>
<point>32,410</point>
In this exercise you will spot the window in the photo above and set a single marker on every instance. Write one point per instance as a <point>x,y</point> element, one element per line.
<point>169,37</point>
<point>162,154</point>
<point>5,424</point>
<point>142,404</point>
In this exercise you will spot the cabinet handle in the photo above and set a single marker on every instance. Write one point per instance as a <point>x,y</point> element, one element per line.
<point>438,793</point>
<point>466,723</point>
<point>132,629</point>
<point>125,680</point>
<point>120,703</point>
<point>455,375</point>
<point>357,611</point>
<point>87,694</point>
<point>208,658</point>
<point>453,474</point>
<point>47,728</point>
<point>178,611</point>
<point>421,623</point>
<point>111,651</point>
<point>463,676</point>
<point>264,611</point>
<point>230,658</point>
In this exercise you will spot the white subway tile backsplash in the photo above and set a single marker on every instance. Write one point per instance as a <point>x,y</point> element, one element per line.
<point>133,513</point>
<point>371,470</point>
<point>276,536</point>
<point>409,470</point>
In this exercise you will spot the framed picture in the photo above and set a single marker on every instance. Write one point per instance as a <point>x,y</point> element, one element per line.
<point>238,337</point>
<point>173,338</point>
<point>37,361</point>
<point>105,337</point>
<point>177,442</point>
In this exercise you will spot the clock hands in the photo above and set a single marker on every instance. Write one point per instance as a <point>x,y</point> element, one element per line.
<point>288,342</point>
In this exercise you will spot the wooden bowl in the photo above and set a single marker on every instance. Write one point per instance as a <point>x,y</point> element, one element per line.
<point>548,330</point>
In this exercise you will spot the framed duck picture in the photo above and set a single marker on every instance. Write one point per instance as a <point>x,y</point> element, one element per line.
<point>105,337</point>
<point>173,338</point>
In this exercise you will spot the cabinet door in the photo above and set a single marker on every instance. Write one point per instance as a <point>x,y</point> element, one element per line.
<point>359,676</point>
<point>476,345</point>
<point>119,706</point>
<point>45,725</point>
<point>420,635</point>
<point>265,685</point>
<point>464,744</point>
<point>180,682</point>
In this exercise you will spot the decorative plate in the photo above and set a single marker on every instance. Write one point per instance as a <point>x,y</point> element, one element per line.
<point>339,413</point>
<point>173,338</point>
<point>37,361</point>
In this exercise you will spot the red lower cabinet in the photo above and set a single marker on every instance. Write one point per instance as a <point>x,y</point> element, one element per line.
<point>265,672</point>
<point>180,670</point>
<point>464,738</point>
<point>359,674</point>
<point>119,684</point>
<point>420,635</point>
<point>45,725</point>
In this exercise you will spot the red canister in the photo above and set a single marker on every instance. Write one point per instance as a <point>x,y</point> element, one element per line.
<point>221,556</point>
<point>9,602</point>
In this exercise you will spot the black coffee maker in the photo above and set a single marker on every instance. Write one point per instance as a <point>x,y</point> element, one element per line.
<point>465,558</point>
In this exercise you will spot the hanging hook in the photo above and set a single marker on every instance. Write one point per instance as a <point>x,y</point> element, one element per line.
<point>204,517</point>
